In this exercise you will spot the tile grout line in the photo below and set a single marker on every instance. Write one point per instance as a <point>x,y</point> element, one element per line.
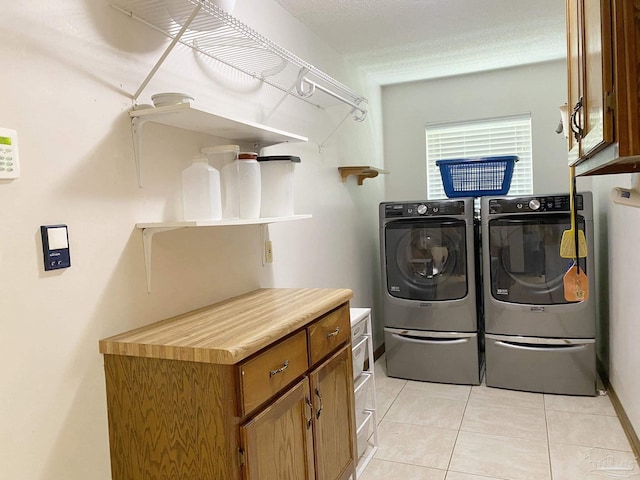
<point>546,426</point>
<point>458,433</point>
<point>395,398</point>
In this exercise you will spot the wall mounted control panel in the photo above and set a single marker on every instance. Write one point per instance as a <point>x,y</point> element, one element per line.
<point>9,161</point>
<point>55,246</point>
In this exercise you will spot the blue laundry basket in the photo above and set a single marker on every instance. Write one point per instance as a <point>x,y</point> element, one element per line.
<point>477,177</point>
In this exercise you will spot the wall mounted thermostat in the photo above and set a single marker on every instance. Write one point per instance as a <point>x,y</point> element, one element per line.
<point>55,246</point>
<point>9,164</point>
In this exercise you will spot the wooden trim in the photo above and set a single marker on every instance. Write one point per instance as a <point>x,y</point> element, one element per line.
<point>378,352</point>
<point>629,431</point>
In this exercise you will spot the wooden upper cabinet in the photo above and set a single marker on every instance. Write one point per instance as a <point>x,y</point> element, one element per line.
<point>598,77</point>
<point>590,75</point>
<point>603,90</point>
<point>575,73</point>
<point>626,26</point>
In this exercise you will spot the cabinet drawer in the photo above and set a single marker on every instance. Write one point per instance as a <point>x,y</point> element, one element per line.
<point>328,333</point>
<point>271,371</point>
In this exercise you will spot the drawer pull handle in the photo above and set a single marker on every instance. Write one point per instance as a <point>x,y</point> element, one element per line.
<point>284,366</point>
<point>334,333</point>
<point>310,405</point>
<point>320,398</point>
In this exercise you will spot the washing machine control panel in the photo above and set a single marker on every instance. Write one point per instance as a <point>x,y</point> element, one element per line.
<point>423,209</point>
<point>551,203</point>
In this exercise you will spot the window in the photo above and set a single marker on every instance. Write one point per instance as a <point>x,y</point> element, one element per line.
<point>481,138</point>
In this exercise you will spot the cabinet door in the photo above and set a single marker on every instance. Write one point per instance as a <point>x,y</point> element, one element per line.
<point>626,30</point>
<point>574,68</point>
<point>333,421</point>
<point>598,82</point>
<point>278,442</point>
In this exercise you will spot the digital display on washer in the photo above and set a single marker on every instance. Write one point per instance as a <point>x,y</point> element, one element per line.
<point>426,208</point>
<point>551,203</point>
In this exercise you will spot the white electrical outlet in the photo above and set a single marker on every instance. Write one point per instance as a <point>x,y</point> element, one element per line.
<point>9,164</point>
<point>268,252</point>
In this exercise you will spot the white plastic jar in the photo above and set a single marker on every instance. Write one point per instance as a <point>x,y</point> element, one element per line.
<point>249,185</point>
<point>201,199</point>
<point>277,185</point>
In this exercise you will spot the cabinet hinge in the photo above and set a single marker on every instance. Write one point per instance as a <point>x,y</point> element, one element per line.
<point>241,457</point>
<point>610,102</point>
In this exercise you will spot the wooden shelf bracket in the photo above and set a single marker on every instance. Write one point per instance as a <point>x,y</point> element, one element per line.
<point>361,172</point>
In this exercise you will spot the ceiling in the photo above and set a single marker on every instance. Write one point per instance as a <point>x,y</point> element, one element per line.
<point>397,41</point>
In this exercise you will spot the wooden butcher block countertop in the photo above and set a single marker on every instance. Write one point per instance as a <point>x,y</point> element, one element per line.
<point>229,331</point>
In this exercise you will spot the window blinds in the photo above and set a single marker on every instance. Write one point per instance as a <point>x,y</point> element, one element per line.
<point>481,138</point>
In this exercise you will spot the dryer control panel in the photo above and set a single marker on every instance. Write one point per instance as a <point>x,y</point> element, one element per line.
<point>424,209</point>
<point>551,203</point>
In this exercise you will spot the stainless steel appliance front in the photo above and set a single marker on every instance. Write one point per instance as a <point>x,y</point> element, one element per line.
<point>429,279</point>
<point>524,296</point>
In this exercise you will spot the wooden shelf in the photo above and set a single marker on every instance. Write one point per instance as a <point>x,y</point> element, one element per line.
<point>361,172</point>
<point>150,229</point>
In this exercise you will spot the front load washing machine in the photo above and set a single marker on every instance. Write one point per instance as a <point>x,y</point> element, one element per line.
<point>430,274</point>
<point>535,339</point>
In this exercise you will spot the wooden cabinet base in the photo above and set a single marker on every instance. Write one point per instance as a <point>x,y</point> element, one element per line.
<point>169,420</point>
<point>281,411</point>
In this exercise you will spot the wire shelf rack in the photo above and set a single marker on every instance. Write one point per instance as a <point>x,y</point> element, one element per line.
<point>206,28</point>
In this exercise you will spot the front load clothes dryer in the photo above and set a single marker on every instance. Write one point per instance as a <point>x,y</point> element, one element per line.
<point>535,339</point>
<point>429,255</point>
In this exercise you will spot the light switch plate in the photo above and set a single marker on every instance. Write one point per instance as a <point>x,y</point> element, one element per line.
<point>55,246</point>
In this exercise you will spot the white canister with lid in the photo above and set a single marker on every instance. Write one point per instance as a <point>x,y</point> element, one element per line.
<point>249,185</point>
<point>201,198</point>
<point>277,185</point>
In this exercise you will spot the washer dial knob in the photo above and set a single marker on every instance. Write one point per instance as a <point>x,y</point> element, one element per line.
<point>534,204</point>
<point>422,209</point>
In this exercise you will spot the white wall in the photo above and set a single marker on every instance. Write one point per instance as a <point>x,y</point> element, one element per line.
<point>619,268</point>
<point>539,89</point>
<point>70,69</point>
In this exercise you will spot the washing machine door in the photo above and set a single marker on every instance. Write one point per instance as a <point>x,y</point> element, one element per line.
<point>524,259</point>
<point>426,259</point>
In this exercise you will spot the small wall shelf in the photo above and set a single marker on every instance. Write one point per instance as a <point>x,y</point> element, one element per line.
<point>189,118</point>
<point>361,172</point>
<point>150,229</point>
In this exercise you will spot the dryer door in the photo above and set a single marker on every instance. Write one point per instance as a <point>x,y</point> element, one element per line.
<point>426,259</point>
<point>524,259</point>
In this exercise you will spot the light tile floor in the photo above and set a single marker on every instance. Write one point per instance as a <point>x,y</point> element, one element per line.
<point>431,431</point>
